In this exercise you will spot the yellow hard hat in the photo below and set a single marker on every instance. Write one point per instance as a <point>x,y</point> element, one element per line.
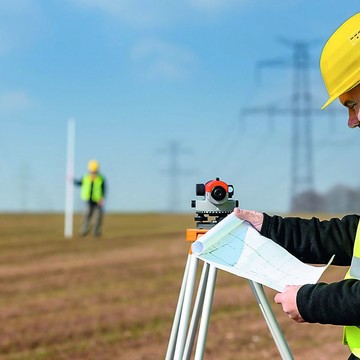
<point>93,166</point>
<point>340,59</point>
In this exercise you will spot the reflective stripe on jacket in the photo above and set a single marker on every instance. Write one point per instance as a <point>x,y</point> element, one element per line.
<point>351,336</point>
<point>92,188</point>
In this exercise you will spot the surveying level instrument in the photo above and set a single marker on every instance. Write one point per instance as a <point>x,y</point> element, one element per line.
<point>216,204</point>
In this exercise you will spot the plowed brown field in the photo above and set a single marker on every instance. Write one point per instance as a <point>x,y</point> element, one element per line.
<point>114,297</point>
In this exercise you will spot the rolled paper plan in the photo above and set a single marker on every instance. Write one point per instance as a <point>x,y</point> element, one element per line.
<point>215,234</point>
<point>233,245</point>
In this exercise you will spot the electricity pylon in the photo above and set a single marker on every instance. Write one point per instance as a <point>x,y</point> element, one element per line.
<point>302,170</point>
<point>174,171</point>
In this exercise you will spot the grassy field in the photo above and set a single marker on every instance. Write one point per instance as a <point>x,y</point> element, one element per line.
<point>114,297</point>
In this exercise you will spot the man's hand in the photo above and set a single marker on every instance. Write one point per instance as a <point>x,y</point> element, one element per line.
<point>287,299</point>
<point>253,217</point>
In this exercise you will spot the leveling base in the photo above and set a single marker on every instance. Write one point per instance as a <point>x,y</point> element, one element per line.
<point>183,334</point>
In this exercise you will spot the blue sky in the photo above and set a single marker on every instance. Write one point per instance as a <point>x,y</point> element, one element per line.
<point>142,78</point>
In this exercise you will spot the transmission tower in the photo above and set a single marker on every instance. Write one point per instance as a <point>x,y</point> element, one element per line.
<point>302,171</point>
<point>174,172</point>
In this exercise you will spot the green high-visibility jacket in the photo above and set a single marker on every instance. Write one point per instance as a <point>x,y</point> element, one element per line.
<point>92,188</point>
<point>351,336</point>
<point>315,241</point>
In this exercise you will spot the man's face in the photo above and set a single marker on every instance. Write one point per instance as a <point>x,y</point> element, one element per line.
<point>351,100</point>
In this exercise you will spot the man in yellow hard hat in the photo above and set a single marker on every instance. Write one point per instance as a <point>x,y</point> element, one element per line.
<point>93,194</point>
<point>314,241</point>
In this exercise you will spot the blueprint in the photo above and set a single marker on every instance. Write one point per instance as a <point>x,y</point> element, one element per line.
<point>233,245</point>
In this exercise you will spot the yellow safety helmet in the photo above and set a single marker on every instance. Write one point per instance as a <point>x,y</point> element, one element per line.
<point>340,59</point>
<point>93,166</point>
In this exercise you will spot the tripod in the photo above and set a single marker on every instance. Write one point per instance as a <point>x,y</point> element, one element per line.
<point>182,337</point>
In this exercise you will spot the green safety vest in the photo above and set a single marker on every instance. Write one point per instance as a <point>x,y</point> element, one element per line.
<point>97,184</point>
<point>351,336</point>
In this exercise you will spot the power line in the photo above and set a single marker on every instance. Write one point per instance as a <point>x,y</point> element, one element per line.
<point>174,171</point>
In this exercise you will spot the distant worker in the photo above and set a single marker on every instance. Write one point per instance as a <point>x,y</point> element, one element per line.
<point>93,194</point>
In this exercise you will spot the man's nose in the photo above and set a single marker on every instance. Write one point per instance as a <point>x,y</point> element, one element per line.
<point>353,121</point>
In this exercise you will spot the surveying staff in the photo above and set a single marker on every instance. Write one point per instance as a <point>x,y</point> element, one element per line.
<point>93,194</point>
<point>315,241</point>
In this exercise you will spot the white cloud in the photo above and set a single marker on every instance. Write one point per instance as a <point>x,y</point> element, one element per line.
<point>160,59</point>
<point>154,14</point>
<point>138,13</point>
<point>20,22</point>
<point>214,5</point>
<point>14,100</point>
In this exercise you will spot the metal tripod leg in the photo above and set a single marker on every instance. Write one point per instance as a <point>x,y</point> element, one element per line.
<point>271,321</point>
<point>202,305</point>
<point>175,327</point>
<point>198,306</point>
<point>184,319</point>
<point>205,317</point>
<point>177,349</point>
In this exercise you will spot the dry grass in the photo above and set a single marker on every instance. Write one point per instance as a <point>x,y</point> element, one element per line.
<point>115,297</point>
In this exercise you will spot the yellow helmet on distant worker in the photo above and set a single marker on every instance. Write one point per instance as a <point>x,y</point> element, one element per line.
<point>340,59</point>
<point>93,166</point>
